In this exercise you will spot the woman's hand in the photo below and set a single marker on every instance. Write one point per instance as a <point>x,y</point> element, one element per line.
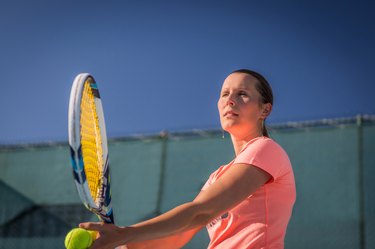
<point>109,236</point>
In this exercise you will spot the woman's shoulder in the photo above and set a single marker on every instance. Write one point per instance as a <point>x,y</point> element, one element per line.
<point>264,146</point>
<point>263,142</point>
<point>266,154</point>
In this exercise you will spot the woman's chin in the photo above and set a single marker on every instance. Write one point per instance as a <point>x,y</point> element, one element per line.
<point>230,129</point>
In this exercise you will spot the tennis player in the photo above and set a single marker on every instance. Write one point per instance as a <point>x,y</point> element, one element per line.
<point>246,203</point>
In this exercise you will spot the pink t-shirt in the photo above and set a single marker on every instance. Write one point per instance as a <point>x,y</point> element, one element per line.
<point>259,221</point>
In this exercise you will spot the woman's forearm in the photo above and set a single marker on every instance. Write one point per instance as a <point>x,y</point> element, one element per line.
<point>176,221</point>
<point>172,242</point>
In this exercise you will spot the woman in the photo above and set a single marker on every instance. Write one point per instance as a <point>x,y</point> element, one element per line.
<point>244,204</point>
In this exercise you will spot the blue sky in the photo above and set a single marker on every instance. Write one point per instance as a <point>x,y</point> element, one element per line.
<point>160,64</point>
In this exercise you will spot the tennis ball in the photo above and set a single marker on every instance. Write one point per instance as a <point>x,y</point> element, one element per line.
<point>79,238</point>
<point>93,234</point>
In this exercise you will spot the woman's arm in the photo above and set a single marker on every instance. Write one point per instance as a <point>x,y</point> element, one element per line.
<point>171,242</point>
<point>239,182</point>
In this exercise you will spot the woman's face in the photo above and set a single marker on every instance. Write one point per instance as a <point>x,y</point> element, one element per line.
<point>240,107</point>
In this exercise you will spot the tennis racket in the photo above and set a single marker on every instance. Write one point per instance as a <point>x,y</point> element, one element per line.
<point>88,147</point>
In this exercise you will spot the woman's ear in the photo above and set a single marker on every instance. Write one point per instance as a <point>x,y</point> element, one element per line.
<point>266,110</point>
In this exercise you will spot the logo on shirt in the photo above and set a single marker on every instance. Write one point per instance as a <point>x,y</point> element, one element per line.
<point>216,220</point>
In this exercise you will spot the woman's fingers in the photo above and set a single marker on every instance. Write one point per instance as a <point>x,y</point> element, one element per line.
<point>97,226</point>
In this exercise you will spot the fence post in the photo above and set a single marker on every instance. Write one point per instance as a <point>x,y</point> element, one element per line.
<point>164,140</point>
<point>362,231</point>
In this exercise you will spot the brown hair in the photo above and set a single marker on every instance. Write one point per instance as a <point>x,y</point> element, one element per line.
<point>263,88</point>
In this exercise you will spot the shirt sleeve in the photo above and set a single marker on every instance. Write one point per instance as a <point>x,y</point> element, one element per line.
<point>206,185</point>
<point>264,154</point>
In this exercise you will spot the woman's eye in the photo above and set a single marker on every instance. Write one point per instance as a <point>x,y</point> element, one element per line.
<point>224,94</point>
<point>243,94</point>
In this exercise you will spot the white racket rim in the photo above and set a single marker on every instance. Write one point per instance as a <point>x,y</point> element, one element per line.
<point>75,143</point>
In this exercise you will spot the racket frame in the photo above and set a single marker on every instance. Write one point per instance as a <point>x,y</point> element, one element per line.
<point>102,207</point>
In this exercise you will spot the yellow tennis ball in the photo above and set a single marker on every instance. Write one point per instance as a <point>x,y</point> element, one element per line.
<point>78,238</point>
<point>93,234</point>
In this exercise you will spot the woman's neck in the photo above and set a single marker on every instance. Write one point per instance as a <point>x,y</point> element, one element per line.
<point>240,142</point>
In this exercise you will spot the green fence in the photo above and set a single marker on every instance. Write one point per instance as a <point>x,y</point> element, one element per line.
<point>333,162</point>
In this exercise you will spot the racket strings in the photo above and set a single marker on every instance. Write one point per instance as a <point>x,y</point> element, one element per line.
<point>91,141</point>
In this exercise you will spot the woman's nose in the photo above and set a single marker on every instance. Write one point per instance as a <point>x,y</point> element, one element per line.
<point>231,101</point>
